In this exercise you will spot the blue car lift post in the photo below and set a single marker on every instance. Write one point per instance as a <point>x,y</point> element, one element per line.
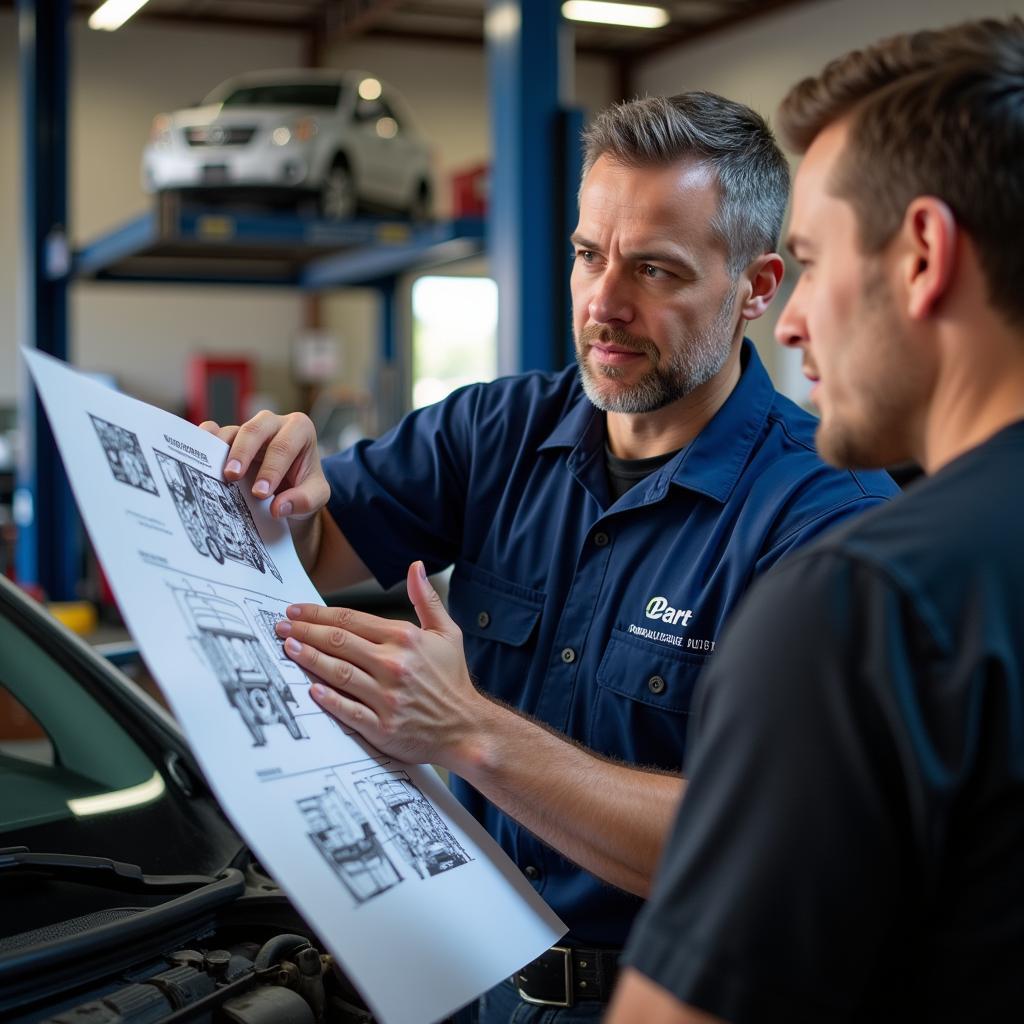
<point>49,535</point>
<point>535,168</point>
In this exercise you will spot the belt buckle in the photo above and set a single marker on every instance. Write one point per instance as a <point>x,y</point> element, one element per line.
<point>567,965</point>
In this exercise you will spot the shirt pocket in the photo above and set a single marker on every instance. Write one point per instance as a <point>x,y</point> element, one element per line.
<point>499,620</point>
<point>644,693</point>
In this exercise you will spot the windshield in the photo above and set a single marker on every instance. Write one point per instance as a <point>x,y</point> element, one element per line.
<point>60,752</point>
<point>74,778</point>
<point>285,94</point>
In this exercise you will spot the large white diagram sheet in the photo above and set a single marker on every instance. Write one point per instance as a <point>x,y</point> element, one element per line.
<point>415,900</point>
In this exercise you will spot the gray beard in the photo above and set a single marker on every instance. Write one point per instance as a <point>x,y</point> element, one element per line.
<point>687,368</point>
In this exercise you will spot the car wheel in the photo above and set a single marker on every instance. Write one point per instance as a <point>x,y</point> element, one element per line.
<point>338,193</point>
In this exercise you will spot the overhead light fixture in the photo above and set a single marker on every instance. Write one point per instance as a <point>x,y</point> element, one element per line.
<point>603,13</point>
<point>113,14</point>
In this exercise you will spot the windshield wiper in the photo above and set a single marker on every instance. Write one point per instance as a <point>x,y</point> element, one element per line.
<point>112,874</point>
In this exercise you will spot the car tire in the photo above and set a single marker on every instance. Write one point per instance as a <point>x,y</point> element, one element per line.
<point>338,199</point>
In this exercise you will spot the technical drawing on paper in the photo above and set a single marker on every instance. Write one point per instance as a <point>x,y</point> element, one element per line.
<point>268,620</point>
<point>215,515</point>
<point>252,682</point>
<point>124,455</point>
<point>391,819</point>
<point>347,841</point>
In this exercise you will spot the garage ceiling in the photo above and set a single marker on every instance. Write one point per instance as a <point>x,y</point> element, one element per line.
<point>449,21</point>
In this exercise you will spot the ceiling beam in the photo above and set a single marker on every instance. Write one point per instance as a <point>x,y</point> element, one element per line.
<point>685,36</point>
<point>349,19</point>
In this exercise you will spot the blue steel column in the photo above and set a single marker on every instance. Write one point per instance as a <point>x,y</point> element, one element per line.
<point>48,532</point>
<point>526,243</point>
<point>390,387</point>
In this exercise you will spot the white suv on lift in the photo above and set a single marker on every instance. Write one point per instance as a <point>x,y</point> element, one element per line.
<point>343,138</point>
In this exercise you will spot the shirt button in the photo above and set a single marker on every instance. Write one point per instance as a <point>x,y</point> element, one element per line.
<point>568,655</point>
<point>531,872</point>
<point>656,684</point>
<point>483,620</point>
<point>601,539</point>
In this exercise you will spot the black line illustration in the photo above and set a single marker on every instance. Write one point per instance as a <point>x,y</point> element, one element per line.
<point>268,620</point>
<point>365,838</point>
<point>347,841</point>
<point>252,681</point>
<point>215,515</point>
<point>124,455</point>
<point>410,823</point>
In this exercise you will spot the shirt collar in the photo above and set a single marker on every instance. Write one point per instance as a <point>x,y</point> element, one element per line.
<point>712,463</point>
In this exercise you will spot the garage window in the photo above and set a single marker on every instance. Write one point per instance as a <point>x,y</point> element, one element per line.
<point>455,339</point>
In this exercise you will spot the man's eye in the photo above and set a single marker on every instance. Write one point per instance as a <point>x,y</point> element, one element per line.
<point>652,272</point>
<point>587,255</point>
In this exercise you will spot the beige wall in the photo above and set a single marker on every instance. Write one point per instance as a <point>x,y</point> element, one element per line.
<point>758,63</point>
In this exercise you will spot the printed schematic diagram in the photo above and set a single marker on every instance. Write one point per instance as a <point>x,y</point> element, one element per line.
<point>252,681</point>
<point>215,516</point>
<point>347,841</point>
<point>124,455</point>
<point>387,822</point>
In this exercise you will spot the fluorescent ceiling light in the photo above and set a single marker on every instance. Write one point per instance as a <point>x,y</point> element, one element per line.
<point>113,14</point>
<point>631,15</point>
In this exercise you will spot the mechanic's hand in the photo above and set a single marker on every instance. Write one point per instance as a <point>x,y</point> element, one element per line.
<point>404,689</point>
<point>284,451</point>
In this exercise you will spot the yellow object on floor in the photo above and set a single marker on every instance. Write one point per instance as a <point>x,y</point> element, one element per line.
<point>79,616</point>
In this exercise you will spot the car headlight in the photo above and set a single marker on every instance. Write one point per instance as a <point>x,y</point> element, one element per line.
<point>160,130</point>
<point>302,130</point>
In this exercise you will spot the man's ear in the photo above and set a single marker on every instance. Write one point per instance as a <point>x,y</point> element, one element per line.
<point>929,235</point>
<point>762,277</point>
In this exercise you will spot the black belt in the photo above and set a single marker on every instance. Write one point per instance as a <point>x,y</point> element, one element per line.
<point>564,976</point>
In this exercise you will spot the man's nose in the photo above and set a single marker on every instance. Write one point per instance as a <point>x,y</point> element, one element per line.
<point>611,300</point>
<point>791,327</point>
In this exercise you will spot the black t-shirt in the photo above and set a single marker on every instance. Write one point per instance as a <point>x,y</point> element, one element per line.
<point>851,844</point>
<point>626,473</point>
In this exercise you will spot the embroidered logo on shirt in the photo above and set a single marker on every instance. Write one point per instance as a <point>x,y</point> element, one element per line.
<point>659,609</point>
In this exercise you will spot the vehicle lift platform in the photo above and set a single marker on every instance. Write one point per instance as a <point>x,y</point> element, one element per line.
<point>178,243</point>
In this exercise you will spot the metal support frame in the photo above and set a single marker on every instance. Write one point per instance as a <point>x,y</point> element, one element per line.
<point>49,535</point>
<point>531,170</point>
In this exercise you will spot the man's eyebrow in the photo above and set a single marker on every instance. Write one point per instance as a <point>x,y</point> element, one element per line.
<point>583,243</point>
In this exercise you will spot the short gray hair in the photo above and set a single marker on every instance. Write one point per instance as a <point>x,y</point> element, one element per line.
<point>730,138</point>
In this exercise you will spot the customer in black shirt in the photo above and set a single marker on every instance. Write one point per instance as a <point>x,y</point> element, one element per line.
<point>858,855</point>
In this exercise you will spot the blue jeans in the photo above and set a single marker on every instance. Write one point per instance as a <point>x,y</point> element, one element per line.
<point>502,1005</point>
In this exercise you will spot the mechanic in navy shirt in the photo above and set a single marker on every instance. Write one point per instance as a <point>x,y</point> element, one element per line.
<point>602,522</point>
<point>851,843</point>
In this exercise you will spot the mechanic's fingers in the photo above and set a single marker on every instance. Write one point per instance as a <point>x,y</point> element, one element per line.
<point>351,713</point>
<point>337,672</point>
<point>226,434</point>
<point>248,441</point>
<point>377,661</point>
<point>303,501</point>
<point>425,599</point>
<point>370,627</point>
<point>290,452</point>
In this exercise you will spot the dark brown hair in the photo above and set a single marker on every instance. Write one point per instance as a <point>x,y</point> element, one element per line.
<point>938,113</point>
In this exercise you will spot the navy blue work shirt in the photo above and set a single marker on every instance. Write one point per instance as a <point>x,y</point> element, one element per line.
<point>592,616</point>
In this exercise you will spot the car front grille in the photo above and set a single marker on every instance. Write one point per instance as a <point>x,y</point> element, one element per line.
<point>215,135</point>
